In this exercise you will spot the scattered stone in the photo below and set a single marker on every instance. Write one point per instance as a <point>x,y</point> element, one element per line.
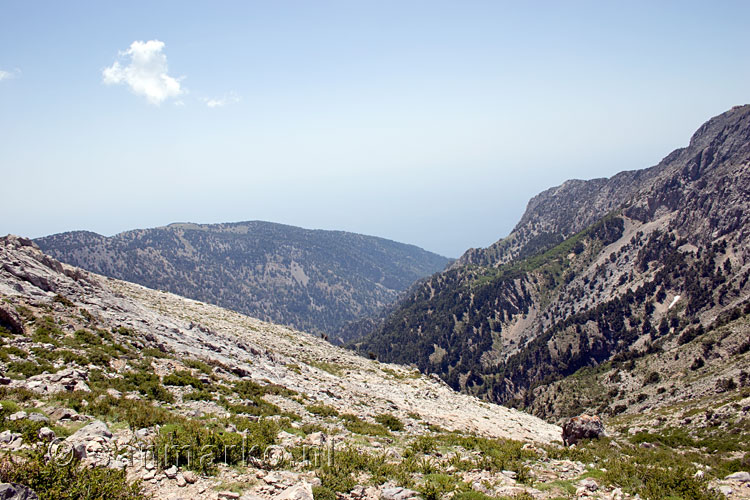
<point>38,417</point>
<point>46,434</point>
<point>316,439</point>
<point>69,379</point>
<point>181,482</point>
<point>743,477</point>
<point>96,429</point>
<point>171,472</point>
<point>725,490</point>
<point>19,415</point>
<point>94,446</point>
<point>14,491</point>
<point>66,414</point>
<point>300,491</point>
<point>511,474</point>
<point>397,493</point>
<point>582,427</point>
<point>114,393</point>
<point>230,495</point>
<point>190,477</point>
<point>148,475</point>
<point>8,437</point>
<point>589,484</point>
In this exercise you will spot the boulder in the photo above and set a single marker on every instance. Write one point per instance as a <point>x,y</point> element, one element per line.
<point>14,491</point>
<point>300,491</point>
<point>89,438</point>
<point>38,417</point>
<point>582,427</point>
<point>397,493</point>
<point>11,320</point>
<point>46,434</point>
<point>69,379</point>
<point>743,477</point>
<point>171,472</point>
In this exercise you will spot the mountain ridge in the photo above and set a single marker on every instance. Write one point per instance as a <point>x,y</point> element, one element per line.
<point>589,273</point>
<point>594,198</point>
<point>313,279</point>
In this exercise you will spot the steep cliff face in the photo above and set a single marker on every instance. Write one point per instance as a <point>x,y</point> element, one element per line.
<point>315,280</point>
<point>708,171</point>
<point>595,271</point>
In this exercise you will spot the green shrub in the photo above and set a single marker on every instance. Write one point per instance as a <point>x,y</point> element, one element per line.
<point>322,410</point>
<point>436,486</point>
<point>52,481</point>
<point>195,446</point>
<point>358,426</point>
<point>256,406</point>
<point>198,365</point>
<point>183,378</point>
<point>29,368</point>
<point>248,389</point>
<point>201,395</point>
<point>323,493</point>
<point>154,353</point>
<point>86,338</point>
<point>390,421</point>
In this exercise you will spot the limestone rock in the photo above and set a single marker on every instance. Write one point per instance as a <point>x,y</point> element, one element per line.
<point>582,427</point>
<point>397,493</point>
<point>171,472</point>
<point>14,491</point>
<point>743,477</point>
<point>300,491</point>
<point>46,434</point>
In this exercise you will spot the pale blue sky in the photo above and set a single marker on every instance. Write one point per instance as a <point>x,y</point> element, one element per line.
<point>425,122</point>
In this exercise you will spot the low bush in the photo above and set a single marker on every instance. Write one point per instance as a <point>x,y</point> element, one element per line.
<point>358,426</point>
<point>183,378</point>
<point>52,481</point>
<point>196,446</point>
<point>390,421</point>
<point>322,410</point>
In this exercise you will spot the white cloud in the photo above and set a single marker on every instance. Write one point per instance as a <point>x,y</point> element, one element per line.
<point>146,72</point>
<point>219,102</point>
<point>8,75</point>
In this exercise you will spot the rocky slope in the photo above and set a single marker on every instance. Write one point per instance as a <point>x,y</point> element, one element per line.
<point>313,280</point>
<point>112,390</point>
<point>608,270</point>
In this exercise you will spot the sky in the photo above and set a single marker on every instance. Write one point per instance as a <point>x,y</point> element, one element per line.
<point>426,122</point>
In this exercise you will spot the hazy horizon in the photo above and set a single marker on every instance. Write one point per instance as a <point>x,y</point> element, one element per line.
<point>428,123</point>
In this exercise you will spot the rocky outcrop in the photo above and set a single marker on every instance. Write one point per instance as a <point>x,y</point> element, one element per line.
<point>69,379</point>
<point>13,491</point>
<point>10,320</point>
<point>582,427</point>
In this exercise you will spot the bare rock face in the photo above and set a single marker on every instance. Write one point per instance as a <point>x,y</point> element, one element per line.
<point>582,427</point>
<point>69,379</point>
<point>14,491</point>
<point>11,320</point>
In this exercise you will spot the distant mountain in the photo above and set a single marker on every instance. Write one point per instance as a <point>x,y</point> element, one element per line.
<point>606,270</point>
<point>310,279</point>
